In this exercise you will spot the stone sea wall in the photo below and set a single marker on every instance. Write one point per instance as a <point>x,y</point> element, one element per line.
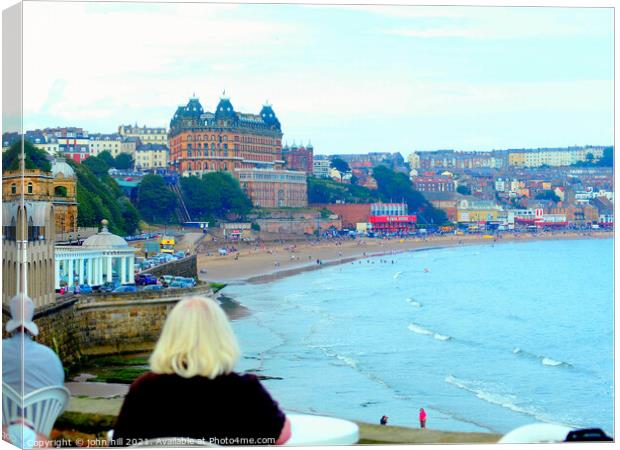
<point>184,267</point>
<point>99,324</point>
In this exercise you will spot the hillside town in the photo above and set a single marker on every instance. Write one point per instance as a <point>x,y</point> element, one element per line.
<point>477,190</point>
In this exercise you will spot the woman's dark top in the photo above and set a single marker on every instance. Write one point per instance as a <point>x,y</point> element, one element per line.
<point>220,411</point>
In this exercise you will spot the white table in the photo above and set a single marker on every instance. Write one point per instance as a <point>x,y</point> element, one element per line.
<point>321,430</point>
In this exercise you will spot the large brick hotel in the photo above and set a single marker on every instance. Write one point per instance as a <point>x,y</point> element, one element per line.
<point>249,146</point>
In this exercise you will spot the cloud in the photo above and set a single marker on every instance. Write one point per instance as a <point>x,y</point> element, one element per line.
<point>120,52</point>
<point>507,23</point>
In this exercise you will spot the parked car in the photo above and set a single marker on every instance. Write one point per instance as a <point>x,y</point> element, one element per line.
<point>165,280</point>
<point>180,283</point>
<point>153,287</point>
<point>126,288</point>
<point>109,286</point>
<point>85,289</point>
<point>142,279</point>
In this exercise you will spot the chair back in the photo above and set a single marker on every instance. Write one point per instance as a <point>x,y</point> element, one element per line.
<point>41,407</point>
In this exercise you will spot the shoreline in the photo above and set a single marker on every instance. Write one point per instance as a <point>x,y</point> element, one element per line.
<point>251,265</point>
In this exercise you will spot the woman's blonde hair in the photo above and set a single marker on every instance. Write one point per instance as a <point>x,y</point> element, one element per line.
<point>196,340</point>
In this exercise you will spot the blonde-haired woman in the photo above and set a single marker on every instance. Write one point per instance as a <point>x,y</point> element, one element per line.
<point>192,391</point>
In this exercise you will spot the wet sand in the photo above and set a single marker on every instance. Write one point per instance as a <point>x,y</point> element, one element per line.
<point>263,264</point>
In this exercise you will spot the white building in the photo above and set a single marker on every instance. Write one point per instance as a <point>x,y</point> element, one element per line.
<point>500,185</point>
<point>320,168</point>
<point>102,142</point>
<point>103,257</point>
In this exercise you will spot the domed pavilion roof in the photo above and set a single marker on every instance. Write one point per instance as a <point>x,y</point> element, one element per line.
<point>105,239</point>
<point>61,167</point>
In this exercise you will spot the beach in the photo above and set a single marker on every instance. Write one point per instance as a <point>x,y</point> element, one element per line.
<point>270,261</point>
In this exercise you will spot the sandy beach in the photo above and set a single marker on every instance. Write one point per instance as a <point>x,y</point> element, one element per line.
<point>267,262</point>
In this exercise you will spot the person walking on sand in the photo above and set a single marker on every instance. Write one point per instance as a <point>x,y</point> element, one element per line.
<point>384,420</point>
<point>422,418</point>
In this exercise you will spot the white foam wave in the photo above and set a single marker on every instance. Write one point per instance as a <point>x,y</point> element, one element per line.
<point>441,337</point>
<point>348,361</point>
<point>421,330</point>
<point>550,362</point>
<point>489,394</point>
<point>397,274</point>
<point>544,360</point>
<point>412,302</point>
<point>418,329</point>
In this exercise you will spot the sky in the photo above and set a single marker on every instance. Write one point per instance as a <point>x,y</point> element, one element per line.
<point>350,79</point>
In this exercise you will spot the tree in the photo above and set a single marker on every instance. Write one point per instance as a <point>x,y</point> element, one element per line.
<point>394,186</point>
<point>97,166</point>
<point>215,195</point>
<point>34,158</point>
<point>340,165</point>
<point>325,190</point>
<point>101,198</point>
<point>463,189</point>
<point>548,195</point>
<point>156,202</point>
<point>130,215</point>
<point>607,160</point>
<point>106,157</point>
<point>123,161</point>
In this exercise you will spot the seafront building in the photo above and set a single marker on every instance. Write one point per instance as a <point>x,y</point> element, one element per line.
<point>299,157</point>
<point>248,146</point>
<point>101,258</point>
<point>49,210</point>
<point>391,218</point>
<point>99,142</point>
<point>151,156</point>
<point>553,157</point>
<point>146,135</point>
<point>57,187</point>
<point>320,167</point>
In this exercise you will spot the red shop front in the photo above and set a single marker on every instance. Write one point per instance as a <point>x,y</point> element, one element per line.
<point>393,224</point>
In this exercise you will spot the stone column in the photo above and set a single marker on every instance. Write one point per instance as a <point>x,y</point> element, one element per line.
<point>70,277</point>
<point>131,268</point>
<point>81,271</point>
<point>100,269</point>
<point>89,270</point>
<point>56,273</point>
<point>123,262</point>
<point>109,269</point>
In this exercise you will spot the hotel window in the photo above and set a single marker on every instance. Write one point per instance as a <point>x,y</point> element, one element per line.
<point>13,189</point>
<point>30,188</point>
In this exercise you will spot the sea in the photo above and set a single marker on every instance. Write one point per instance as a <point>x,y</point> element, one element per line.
<point>486,338</point>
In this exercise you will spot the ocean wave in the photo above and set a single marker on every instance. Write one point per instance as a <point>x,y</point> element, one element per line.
<point>421,330</point>
<point>397,274</point>
<point>543,359</point>
<point>418,329</point>
<point>441,337</point>
<point>412,302</point>
<point>347,360</point>
<point>551,362</point>
<point>492,394</point>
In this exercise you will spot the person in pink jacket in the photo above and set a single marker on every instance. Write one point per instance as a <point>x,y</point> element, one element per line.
<point>422,418</point>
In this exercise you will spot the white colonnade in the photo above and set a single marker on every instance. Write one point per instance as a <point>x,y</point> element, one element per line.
<point>83,265</point>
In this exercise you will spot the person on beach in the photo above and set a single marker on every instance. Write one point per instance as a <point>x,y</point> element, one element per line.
<point>384,420</point>
<point>422,418</point>
<point>192,391</point>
